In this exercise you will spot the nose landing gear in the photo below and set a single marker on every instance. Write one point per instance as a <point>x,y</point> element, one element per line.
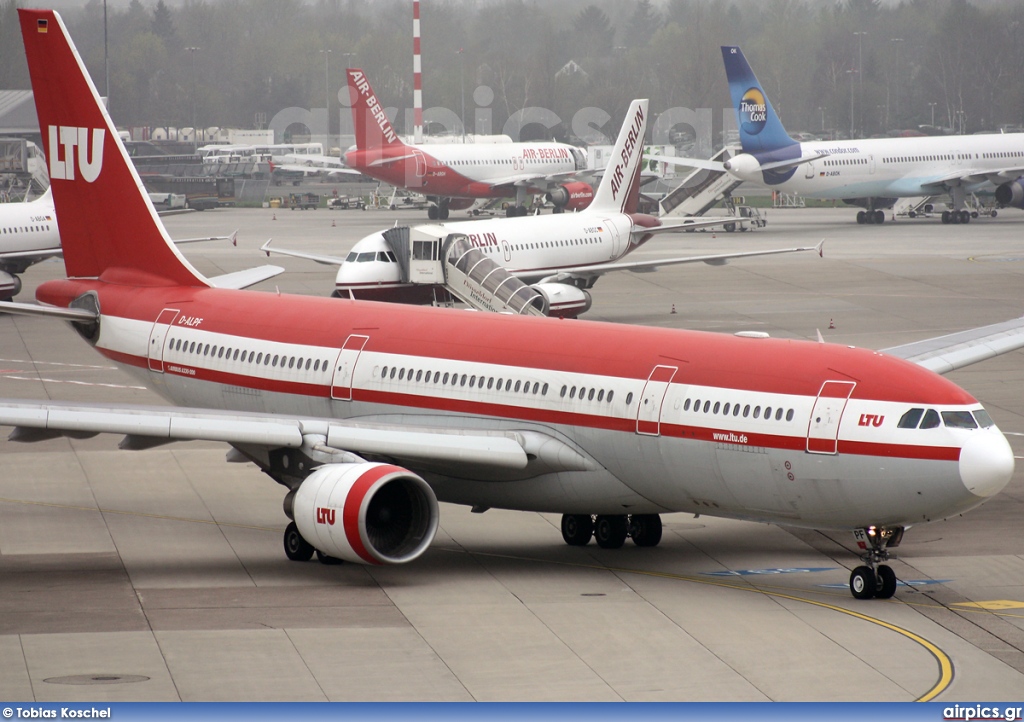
<point>874,579</point>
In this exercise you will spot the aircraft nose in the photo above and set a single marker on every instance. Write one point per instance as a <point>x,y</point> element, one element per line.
<point>986,464</point>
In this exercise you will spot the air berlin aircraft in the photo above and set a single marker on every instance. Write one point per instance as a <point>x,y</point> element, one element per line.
<point>450,173</point>
<point>369,413</point>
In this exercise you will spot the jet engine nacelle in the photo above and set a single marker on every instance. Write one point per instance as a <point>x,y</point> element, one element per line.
<point>1011,194</point>
<point>366,513</point>
<point>10,285</point>
<point>571,196</point>
<point>561,299</point>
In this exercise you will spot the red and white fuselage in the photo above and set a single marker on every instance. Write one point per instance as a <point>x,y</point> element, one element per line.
<point>782,431</point>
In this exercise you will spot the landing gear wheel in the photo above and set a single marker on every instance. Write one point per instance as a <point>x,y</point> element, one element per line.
<point>442,211</point>
<point>645,529</point>
<point>879,217</point>
<point>886,583</point>
<point>965,216</point>
<point>945,216</point>
<point>329,561</point>
<point>432,213</point>
<point>729,227</point>
<point>862,583</point>
<point>577,529</point>
<point>862,217</point>
<point>611,531</point>
<point>295,547</point>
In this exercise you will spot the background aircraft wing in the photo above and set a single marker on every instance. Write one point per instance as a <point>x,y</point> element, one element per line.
<point>686,224</point>
<point>325,260</point>
<point>148,426</point>
<point>956,350</point>
<point>34,256</point>
<point>716,259</point>
<point>688,162</point>
<point>245,278</point>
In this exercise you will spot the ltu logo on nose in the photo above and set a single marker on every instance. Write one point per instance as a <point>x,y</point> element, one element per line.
<point>90,156</point>
<point>753,111</point>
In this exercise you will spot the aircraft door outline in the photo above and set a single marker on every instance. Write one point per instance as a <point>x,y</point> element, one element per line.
<point>809,173</point>
<point>158,338</point>
<point>652,399</point>
<point>508,251</point>
<point>826,415</point>
<point>613,234</point>
<point>345,367</point>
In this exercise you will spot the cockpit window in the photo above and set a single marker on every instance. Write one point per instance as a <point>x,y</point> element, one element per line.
<point>984,420</point>
<point>351,257</point>
<point>911,419</point>
<point>931,419</point>
<point>959,420</point>
<point>367,257</point>
<point>383,257</point>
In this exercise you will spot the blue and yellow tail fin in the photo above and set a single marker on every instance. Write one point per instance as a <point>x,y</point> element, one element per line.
<point>761,130</point>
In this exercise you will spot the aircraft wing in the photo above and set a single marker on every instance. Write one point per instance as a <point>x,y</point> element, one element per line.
<point>687,224</point>
<point>245,278</point>
<point>325,260</point>
<point>956,350</point>
<point>996,176</point>
<point>717,259</point>
<point>688,162</point>
<point>35,255</point>
<point>233,238</point>
<point>147,426</point>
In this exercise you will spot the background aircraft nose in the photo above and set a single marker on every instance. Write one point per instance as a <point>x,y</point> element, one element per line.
<point>986,464</point>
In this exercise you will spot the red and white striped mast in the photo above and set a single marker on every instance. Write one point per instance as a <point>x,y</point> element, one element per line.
<point>417,80</point>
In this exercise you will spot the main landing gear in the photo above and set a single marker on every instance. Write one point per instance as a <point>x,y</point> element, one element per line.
<point>874,579</point>
<point>438,212</point>
<point>870,217</point>
<point>963,216</point>
<point>611,530</point>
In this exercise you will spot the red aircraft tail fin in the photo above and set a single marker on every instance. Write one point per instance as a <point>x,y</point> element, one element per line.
<point>107,222</point>
<point>372,127</point>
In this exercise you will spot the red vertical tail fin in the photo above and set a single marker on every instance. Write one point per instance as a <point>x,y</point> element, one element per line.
<point>372,127</point>
<point>107,223</point>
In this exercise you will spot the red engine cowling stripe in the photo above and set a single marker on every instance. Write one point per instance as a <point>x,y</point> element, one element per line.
<point>354,502</point>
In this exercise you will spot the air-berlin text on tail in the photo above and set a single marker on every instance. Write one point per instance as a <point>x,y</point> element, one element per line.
<point>633,139</point>
<point>90,156</point>
<point>373,105</point>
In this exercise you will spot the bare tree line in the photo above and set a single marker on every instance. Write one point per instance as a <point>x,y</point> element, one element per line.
<point>857,64</point>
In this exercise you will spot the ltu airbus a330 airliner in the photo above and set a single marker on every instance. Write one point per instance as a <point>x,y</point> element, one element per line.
<point>369,413</point>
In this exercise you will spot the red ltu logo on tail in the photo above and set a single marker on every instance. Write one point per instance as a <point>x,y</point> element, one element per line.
<point>90,156</point>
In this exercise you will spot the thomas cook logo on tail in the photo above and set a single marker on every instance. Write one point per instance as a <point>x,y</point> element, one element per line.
<point>753,111</point>
<point>90,155</point>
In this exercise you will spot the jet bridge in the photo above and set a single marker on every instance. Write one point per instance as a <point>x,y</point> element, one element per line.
<point>427,255</point>
<point>701,190</point>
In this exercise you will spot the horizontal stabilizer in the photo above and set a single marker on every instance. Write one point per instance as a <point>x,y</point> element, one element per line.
<point>245,278</point>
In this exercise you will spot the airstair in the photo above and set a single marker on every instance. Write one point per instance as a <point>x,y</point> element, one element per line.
<point>701,189</point>
<point>918,206</point>
<point>426,255</point>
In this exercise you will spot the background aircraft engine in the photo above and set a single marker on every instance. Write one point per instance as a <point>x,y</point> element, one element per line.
<point>571,196</point>
<point>366,513</point>
<point>10,285</point>
<point>561,299</point>
<point>1011,194</point>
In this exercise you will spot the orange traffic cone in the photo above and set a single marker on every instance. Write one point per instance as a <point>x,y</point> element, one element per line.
<point>831,324</point>
<point>333,224</point>
<point>274,217</point>
<point>673,308</point>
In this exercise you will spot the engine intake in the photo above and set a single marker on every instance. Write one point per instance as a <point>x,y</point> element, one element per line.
<point>1011,194</point>
<point>366,513</point>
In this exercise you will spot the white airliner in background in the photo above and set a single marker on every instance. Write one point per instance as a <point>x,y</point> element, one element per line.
<point>369,413</point>
<point>871,173</point>
<point>561,255</point>
<point>452,175</point>
<point>29,234</point>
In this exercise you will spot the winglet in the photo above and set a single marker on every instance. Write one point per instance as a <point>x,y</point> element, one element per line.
<point>90,172</point>
<point>820,248</point>
<point>266,247</point>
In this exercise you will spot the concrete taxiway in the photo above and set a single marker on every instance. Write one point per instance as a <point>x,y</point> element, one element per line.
<point>159,575</point>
